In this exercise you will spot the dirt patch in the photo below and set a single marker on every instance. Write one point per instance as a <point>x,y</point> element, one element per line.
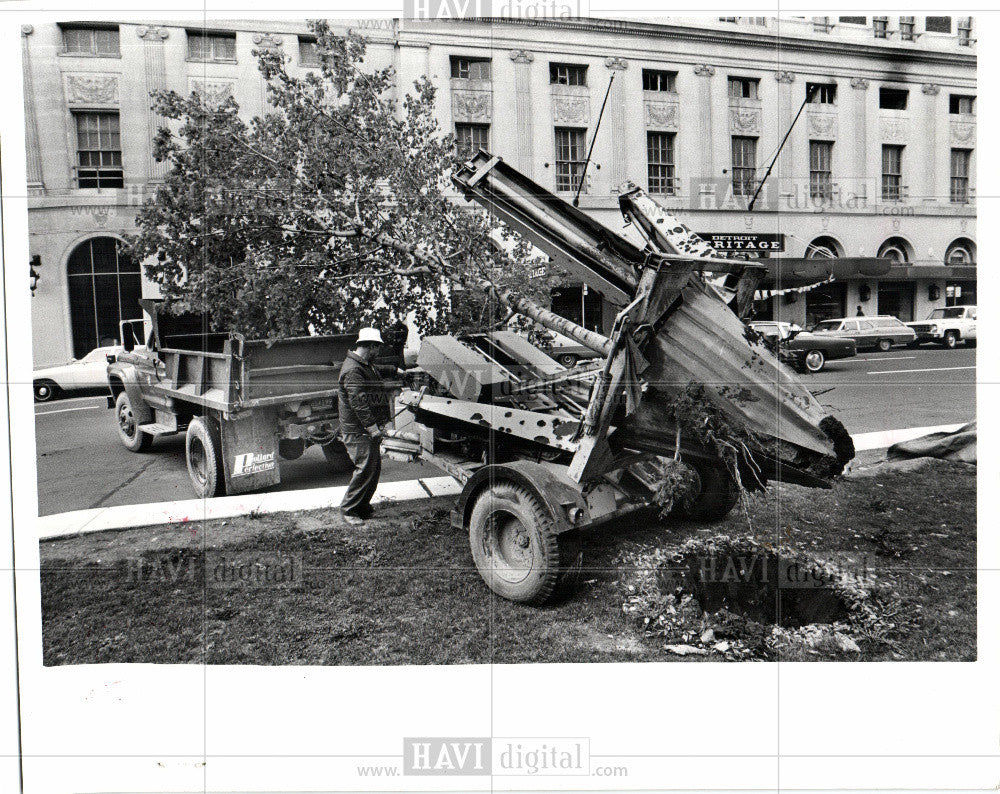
<point>739,598</point>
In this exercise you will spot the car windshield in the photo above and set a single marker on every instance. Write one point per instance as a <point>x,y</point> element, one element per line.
<point>827,325</point>
<point>951,313</point>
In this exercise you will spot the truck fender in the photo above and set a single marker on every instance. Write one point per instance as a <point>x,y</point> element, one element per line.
<point>557,492</point>
<point>124,378</point>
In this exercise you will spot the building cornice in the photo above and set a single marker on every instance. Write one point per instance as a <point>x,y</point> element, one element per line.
<point>745,38</point>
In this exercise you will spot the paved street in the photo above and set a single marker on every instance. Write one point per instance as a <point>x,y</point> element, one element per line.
<point>81,463</point>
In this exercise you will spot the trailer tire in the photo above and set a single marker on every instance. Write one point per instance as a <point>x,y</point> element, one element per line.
<point>516,548</point>
<point>336,455</point>
<point>132,438</point>
<point>718,495</point>
<point>203,452</point>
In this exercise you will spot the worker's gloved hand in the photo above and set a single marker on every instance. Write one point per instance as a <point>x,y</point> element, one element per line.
<point>387,429</point>
<point>374,431</point>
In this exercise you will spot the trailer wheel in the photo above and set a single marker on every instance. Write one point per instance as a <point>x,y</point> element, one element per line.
<point>203,450</point>
<point>336,455</point>
<point>516,548</point>
<point>132,438</point>
<point>718,495</point>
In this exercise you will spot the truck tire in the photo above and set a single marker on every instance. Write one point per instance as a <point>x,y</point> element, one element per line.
<point>203,451</point>
<point>717,497</point>
<point>516,548</point>
<point>884,345</point>
<point>950,340</point>
<point>336,455</point>
<point>132,438</point>
<point>568,360</point>
<point>45,390</point>
<point>813,361</point>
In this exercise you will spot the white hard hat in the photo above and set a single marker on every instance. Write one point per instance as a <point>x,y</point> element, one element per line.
<point>370,335</point>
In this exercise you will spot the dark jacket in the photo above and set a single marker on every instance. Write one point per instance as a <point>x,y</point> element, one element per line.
<point>362,399</point>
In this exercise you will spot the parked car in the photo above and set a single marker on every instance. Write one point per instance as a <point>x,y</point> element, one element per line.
<point>947,326</point>
<point>89,372</point>
<point>569,352</point>
<point>808,352</point>
<point>879,333</point>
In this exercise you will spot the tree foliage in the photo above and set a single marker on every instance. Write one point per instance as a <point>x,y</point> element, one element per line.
<point>297,221</point>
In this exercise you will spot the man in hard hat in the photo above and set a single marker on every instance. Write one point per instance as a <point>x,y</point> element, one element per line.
<point>364,418</point>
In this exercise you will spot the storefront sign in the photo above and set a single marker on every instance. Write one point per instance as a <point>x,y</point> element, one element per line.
<point>754,243</point>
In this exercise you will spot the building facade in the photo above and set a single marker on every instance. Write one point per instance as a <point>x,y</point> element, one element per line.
<point>874,119</point>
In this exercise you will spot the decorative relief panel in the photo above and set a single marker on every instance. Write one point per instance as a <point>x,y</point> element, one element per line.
<point>859,83</point>
<point>895,130</point>
<point>472,106</point>
<point>744,121</point>
<point>92,89</point>
<point>214,91</point>
<point>661,115</point>
<point>570,110</point>
<point>521,56</point>
<point>963,133</point>
<point>152,33</point>
<point>267,41</point>
<point>823,125</point>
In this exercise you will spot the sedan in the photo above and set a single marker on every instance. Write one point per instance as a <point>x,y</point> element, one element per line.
<point>89,372</point>
<point>808,352</point>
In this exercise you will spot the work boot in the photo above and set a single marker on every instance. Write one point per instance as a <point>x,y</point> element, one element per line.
<point>353,520</point>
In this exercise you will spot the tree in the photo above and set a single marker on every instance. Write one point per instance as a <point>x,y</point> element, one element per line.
<point>329,212</point>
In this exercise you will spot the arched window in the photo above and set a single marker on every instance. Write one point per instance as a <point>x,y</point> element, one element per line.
<point>961,252</point>
<point>824,248</point>
<point>104,289</point>
<point>896,249</point>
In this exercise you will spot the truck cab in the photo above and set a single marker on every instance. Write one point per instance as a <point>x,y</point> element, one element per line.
<point>947,326</point>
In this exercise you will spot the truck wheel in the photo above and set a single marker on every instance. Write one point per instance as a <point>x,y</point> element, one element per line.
<point>814,361</point>
<point>568,360</point>
<point>885,345</point>
<point>45,390</point>
<point>336,455</point>
<point>950,340</point>
<point>291,448</point>
<point>131,436</point>
<point>203,450</point>
<point>718,495</point>
<point>516,548</point>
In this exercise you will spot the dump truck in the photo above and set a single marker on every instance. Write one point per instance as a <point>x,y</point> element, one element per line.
<point>546,454</point>
<point>243,404</point>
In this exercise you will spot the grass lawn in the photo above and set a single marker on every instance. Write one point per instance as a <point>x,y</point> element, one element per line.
<point>402,589</point>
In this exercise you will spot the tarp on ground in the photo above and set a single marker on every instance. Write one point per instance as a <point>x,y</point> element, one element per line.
<point>959,445</point>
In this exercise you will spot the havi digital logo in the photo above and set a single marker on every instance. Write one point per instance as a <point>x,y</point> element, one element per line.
<point>446,756</point>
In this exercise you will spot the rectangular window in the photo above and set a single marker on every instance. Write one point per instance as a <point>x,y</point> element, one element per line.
<point>906,26</point>
<point>822,93</point>
<point>938,25</point>
<point>960,162</point>
<point>93,40</point>
<point>744,165</point>
<point>853,20</point>
<point>98,151</point>
<point>655,80</point>
<point>892,173</point>
<point>660,154</point>
<point>961,105</point>
<point>881,27</point>
<point>211,46</point>
<point>463,68</point>
<point>308,52</point>
<point>821,25</point>
<point>570,158</point>
<point>965,32</point>
<point>470,138</point>
<point>892,98</point>
<point>567,74</point>
<point>744,88</point>
<point>821,169</point>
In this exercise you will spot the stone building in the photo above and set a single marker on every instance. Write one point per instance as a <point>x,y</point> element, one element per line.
<point>879,162</point>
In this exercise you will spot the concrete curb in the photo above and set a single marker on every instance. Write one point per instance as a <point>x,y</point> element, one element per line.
<point>79,522</point>
<point>100,519</point>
